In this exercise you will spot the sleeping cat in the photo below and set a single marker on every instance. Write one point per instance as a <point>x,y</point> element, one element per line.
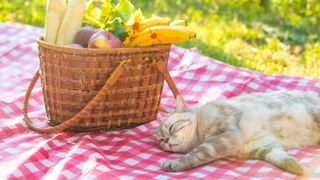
<point>255,126</point>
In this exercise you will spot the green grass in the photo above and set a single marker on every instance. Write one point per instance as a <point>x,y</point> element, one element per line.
<point>284,39</point>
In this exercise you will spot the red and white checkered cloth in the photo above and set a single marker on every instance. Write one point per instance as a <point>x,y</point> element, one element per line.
<point>132,153</point>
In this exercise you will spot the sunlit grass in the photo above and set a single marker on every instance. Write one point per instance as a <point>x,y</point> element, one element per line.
<point>283,40</point>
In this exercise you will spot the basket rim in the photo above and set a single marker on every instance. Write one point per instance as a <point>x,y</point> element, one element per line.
<point>101,51</point>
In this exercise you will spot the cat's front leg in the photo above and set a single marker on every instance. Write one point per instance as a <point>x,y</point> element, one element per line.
<point>213,148</point>
<point>173,166</point>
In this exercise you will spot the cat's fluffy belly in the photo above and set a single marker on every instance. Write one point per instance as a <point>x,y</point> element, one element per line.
<point>293,126</point>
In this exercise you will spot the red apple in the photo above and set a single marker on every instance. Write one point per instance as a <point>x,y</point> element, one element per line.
<point>104,39</point>
<point>74,46</point>
<point>83,35</point>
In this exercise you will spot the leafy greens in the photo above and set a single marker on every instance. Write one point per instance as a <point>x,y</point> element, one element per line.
<point>103,14</point>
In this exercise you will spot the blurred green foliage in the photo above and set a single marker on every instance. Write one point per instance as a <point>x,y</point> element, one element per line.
<point>272,36</point>
<point>29,12</point>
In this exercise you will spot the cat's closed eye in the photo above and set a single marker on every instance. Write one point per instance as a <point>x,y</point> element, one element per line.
<point>160,139</point>
<point>179,125</point>
<point>170,128</point>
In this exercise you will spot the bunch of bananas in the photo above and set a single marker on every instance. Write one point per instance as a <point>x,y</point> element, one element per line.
<point>156,30</point>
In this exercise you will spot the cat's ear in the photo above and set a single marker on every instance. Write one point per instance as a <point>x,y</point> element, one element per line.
<point>181,106</point>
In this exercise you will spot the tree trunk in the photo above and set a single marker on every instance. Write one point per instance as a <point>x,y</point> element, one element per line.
<point>265,4</point>
<point>304,4</point>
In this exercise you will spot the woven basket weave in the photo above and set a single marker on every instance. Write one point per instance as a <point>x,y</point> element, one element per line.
<point>71,78</point>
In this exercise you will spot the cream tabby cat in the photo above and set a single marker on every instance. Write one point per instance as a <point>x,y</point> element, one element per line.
<point>255,126</point>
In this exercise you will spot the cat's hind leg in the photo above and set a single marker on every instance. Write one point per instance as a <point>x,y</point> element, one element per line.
<point>269,149</point>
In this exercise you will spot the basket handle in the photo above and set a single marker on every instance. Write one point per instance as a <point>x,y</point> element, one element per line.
<point>84,112</point>
<point>160,66</point>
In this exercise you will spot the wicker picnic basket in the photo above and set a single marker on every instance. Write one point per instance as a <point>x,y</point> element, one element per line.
<point>100,89</point>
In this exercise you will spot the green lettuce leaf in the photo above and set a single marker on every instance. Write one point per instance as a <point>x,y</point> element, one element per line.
<point>104,15</point>
<point>92,13</point>
<point>125,8</point>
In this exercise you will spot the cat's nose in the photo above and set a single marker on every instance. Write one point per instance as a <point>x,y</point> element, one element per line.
<point>166,140</point>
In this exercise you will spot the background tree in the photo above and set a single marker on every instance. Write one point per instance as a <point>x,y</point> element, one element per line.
<point>265,4</point>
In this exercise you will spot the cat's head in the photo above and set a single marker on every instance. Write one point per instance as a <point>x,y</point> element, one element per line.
<point>177,132</point>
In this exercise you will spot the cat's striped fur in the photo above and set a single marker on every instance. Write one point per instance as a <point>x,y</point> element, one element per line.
<point>255,126</point>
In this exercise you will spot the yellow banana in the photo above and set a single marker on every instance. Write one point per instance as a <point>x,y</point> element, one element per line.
<point>181,32</point>
<point>141,39</point>
<point>129,39</point>
<point>179,22</point>
<point>161,35</point>
<point>168,40</point>
<point>163,39</point>
<point>154,21</point>
<point>148,42</point>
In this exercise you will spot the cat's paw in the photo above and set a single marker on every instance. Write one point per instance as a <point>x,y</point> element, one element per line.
<point>172,166</point>
<point>292,165</point>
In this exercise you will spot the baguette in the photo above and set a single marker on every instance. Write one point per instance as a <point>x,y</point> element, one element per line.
<point>54,14</point>
<point>71,22</point>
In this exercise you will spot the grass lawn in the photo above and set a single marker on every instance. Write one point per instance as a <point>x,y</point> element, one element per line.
<point>282,38</point>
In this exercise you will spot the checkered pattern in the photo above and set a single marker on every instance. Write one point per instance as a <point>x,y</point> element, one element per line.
<point>132,153</point>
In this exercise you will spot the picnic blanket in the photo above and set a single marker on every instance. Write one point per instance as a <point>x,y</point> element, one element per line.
<point>131,153</point>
